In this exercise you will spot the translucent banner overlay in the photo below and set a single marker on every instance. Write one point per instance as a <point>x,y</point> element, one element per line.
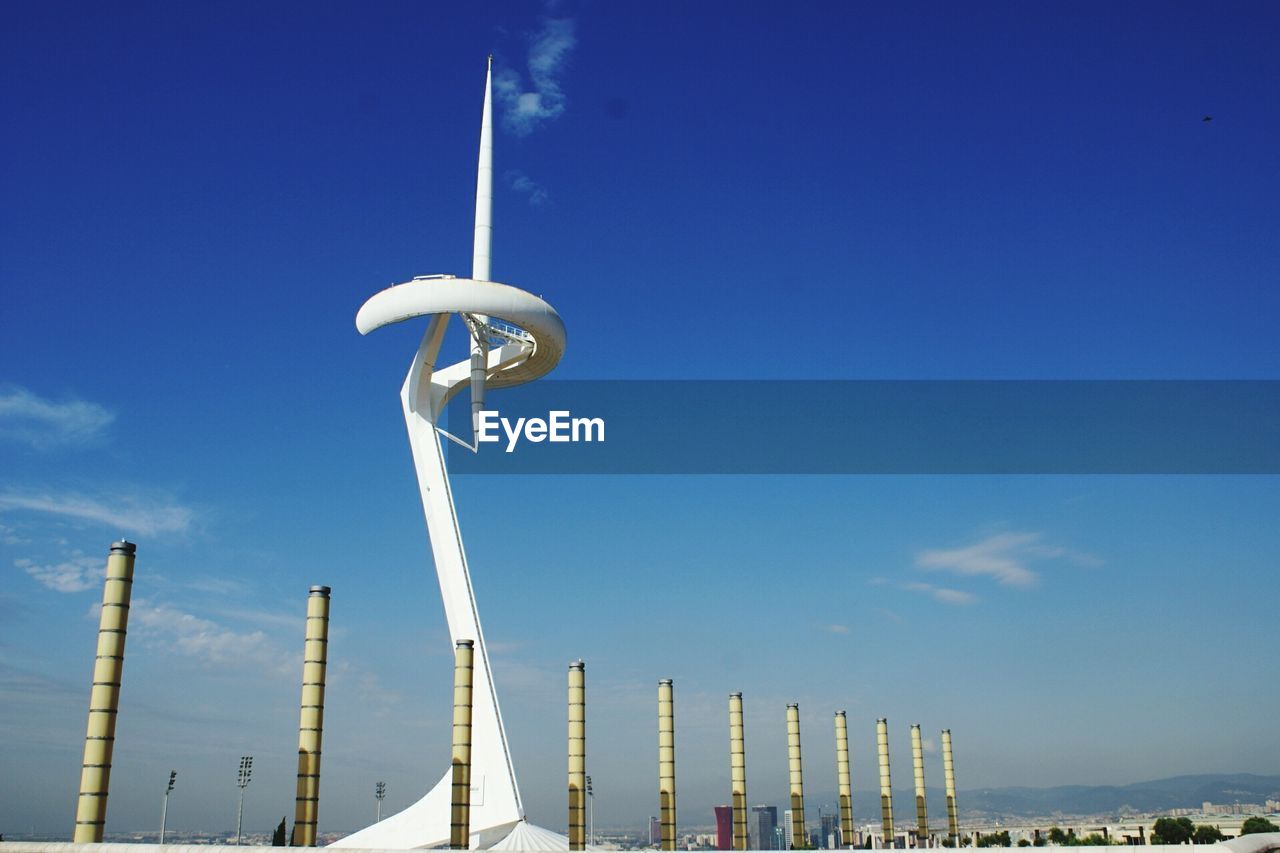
<point>884,427</point>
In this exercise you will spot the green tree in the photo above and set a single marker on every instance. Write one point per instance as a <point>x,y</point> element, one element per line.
<point>277,837</point>
<point>995,839</point>
<point>1057,836</point>
<point>1258,824</point>
<point>1022,842</point>
<point>1093,839</point>
<point>1206,834</point>
<point>1168,830</point>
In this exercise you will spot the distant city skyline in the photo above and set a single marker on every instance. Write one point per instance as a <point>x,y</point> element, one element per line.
<point>202,196</point>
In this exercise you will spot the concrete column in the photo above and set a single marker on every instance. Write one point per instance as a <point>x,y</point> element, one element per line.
<point>886,786</point>
<point>315,658</point>
<point>796,774</point>
<point>667,763</point>
<point>460,807</point>
<point>577,756</point>
<point>844,780</point>
<point>917,764</point>
<point>949,778</point>
<point>104,695</point>
<point>738,772</point>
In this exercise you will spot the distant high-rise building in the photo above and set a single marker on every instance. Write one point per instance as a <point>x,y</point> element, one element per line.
<point>655,830</point>
<point>724,827</point>
<point>789,828</point>
<point>761,828</point>
<point>829,832</point>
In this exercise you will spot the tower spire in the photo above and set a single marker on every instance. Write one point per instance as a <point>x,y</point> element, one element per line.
<point>484,185</point>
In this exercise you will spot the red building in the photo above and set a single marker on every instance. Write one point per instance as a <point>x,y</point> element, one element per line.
<point>724,828</point>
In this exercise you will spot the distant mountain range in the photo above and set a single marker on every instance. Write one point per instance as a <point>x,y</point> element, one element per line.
<point>1178,792</point>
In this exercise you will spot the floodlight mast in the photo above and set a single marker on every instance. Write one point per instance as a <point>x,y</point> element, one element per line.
<point>516,338</point>
<point>164,810</point>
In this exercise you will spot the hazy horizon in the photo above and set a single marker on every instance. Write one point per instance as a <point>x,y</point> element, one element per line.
<point>202,195</point>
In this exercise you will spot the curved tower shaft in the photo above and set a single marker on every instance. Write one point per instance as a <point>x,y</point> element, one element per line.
<point>495,805</point>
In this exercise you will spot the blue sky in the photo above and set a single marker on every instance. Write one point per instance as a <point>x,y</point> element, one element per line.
<point>200,197</point>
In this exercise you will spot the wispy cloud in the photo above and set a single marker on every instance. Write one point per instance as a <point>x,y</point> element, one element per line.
<point>942,594</point>
<point>47,424</point>
<point>9,536</point>
<point>836,629</point>
<point>210,642</point>
<point>74,574</point>
<point>1002,557</point>
<point>527,107</point>
<point>129,514</point>
<point>522,183</point>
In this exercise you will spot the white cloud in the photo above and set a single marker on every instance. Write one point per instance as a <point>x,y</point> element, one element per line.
<point>836,629</point>
<point>524,109</point>
<point>522,183</point>
<point>208,641</point>
<point>127,514</point>
<point>942,594</point>
<point>74,574</point>
<point>46,424</point>
<point>1001,557</point>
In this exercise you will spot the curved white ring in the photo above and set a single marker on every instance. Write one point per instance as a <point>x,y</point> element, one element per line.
<point>422,297</point>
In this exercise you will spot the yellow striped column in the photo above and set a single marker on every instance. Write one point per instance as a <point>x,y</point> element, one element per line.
<point>667,763</point>
<point>460,807</point>
<point>738,772</point>
<point>315,656</point>
<point>949,777</point>
<point>886,786</point>
<point>104,696</point>
<point>844,780</point>
<point>917,765</point>
<point>577,756</point>
<point>796,773</point>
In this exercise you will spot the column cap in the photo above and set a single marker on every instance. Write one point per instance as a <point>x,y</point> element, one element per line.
<point>795,705</point>
<point>320,590</point>
<point>577,664</point>
<point>664,681</point>
<point>124,546</point>
<point>465,644</point>
<point>737,695</point>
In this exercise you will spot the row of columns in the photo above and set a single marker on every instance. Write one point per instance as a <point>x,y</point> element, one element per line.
<point>104,704</point>
<point>738,777</point>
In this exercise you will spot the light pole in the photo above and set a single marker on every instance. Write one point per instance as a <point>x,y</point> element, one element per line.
<point>164,811</point>
<point>380,794</point>
<point>591,814</point>
<point>242,779</point>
